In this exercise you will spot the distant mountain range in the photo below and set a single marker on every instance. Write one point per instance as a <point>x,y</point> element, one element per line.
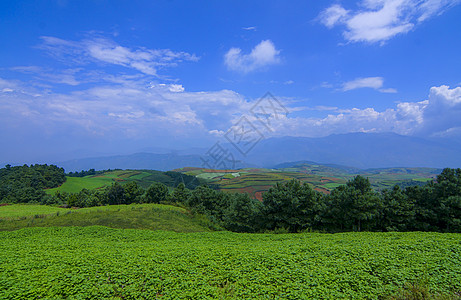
<point>359,150</point>
<point>355,150</point>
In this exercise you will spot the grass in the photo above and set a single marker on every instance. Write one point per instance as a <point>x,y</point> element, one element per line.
<point>135,216</point>
<point>17,211</point>
<point>103,263</point>
<point>76,184</point>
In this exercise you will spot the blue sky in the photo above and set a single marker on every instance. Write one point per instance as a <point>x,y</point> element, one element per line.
<point>82,78</point>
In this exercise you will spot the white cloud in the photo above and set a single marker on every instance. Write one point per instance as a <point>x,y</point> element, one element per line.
<point>436,116</point>
<point>388,90</point>
<point>103,50</point>
<point>176,88</point>
<point>262,55</point>
<point>367,82</point>
<point>250,28</point>
<point>442,111</point>
<point>333,15</point>
<point>128,110</point>
<point>381,20</point>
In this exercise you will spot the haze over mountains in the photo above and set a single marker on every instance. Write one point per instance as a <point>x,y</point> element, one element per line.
<point>358,150</point>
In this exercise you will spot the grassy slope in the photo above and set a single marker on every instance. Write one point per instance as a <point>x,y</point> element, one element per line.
<point>98,262</point>
<point>17,211</point>
<point>136,216</point>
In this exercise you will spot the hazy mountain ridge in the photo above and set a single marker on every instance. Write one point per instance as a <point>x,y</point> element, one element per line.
<point>359,150</point>
<point>352,153</point>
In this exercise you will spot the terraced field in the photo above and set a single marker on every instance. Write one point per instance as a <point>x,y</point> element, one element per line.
<point>322,178</point>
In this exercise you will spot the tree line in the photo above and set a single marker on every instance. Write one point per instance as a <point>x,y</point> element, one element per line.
<point>291,206</point>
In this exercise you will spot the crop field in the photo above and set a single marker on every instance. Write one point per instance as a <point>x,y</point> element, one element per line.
<point>99,262</point>
<point>135,216</point>
<point>322,178</point>
<point>257,181</point>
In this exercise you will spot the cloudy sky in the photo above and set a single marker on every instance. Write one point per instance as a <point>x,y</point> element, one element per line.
<point>81,78</point>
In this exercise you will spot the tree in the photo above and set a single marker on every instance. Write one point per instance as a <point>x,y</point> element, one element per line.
<point>290,205</point>
<point>133,192</point>
<point>156,193</point>
<point>353,206</point>
<point>180,194</point>
<point>397,212</point>
<point>241,213</point>
<point>115,194</point>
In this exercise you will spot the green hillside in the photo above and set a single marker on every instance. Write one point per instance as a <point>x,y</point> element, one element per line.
<point>135,216</point>
<point>144,178</point>
<point>104,263</point>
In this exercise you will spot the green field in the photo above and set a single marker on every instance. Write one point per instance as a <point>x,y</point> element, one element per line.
<point>76,184</point>
<point>99,262</point>
<point>144,178</point>
<point>135,216</point>
<point>16,211</point>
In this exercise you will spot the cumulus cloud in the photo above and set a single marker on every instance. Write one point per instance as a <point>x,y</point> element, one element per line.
<point>441,113</point>
<point>129,110</point>
<point>437,116</point>
<point>103,50</point>
<point>367,82</point>
<point>262,55</point>
<point>120,111</point>
<point>380,20</point>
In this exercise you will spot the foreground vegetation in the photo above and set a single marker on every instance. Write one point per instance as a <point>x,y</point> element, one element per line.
<point>135,216</point>
<point>98,262</point>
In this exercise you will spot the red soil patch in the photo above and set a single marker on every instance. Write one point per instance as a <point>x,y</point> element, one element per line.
<point>259,196</point>
<point>4,204</point>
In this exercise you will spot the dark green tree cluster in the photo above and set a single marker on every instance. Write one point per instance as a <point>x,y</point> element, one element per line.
<point>82,173</point>
<point>355,206</point>
<point>21,184</point>
<point>115,194</point>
